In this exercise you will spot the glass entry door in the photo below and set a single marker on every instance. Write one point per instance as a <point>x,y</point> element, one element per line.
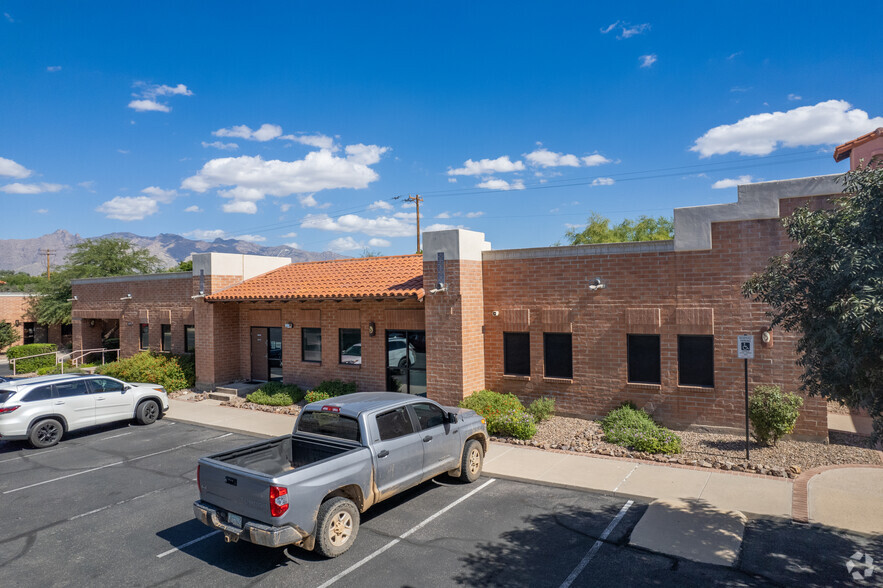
<point>406,362</point>
<point>274,355</point>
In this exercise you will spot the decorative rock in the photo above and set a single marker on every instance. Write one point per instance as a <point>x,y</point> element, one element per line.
<point>704,464</point>
<point>795,469</point>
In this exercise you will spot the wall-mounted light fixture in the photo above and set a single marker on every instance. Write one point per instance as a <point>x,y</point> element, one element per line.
<point>495,313</point>
<point>372,329</point>
<point>126,297</point>
<point>289,325</point>
<point>91,322</point>
<point>766,337</point>
<point>17,323</point>
<point>74,299</point>
<point>596,284</point>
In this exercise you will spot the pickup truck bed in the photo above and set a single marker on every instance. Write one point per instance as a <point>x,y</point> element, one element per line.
<point>282,455</point>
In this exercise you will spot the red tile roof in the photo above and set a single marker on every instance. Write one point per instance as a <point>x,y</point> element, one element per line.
<point>842,152</point>
<point>399,276</point>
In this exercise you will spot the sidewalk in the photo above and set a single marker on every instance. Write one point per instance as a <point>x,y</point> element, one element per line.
<point>850,499</point>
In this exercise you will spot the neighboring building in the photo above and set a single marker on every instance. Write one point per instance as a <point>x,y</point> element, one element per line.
<point>15,310</point>
<point>590,325</point>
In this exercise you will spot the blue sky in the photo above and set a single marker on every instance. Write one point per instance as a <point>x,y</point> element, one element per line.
<point>297,123</point>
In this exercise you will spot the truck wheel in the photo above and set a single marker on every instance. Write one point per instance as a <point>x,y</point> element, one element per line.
<point>336,526</point>
<point>473,459</point>
<point>147,412</point>
<point>46,433</point>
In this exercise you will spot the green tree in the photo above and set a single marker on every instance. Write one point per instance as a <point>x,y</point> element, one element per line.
<point>598,230</point>
<point>8,335</point>
<point>829,289</point>
<point>93,258</point>
<point>18,281</point>
<point>184,266</point>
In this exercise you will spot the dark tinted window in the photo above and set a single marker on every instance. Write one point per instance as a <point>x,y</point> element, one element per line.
<point>330,424</point>
<point>145,336</point>
<point>311,340</point>
<point>351,346</point>
<point>5,395</point>
<point>41,393</point>
<point>105,385</point>
<point>516,354</point>
<point>395,423</point>
<point>558,355</point>
<point>643,359</point>
<point>696,360</point>
<point>68,389</point>
<point>166,331</point>
<point>429,415</point>
<point>189,338</point>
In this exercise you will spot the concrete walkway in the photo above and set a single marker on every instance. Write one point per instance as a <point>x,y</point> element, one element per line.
<point>850,423</point>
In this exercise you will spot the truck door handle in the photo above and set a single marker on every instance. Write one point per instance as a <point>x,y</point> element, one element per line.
<point>383,453</point>
<point>427,439</point>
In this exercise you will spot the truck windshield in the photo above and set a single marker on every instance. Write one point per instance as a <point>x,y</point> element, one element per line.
<point>330,424</point>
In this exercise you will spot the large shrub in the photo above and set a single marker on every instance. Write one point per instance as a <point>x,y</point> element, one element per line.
<point>336,387</point>
<point>33,364</point>
<point>276,394</point>
<point>313,396</point>
<point>8,335</point>
<point>772,413</point>
<point>542,409</point>
<point>633,428</point>
<point>504,413</point>
<point>170,371</point>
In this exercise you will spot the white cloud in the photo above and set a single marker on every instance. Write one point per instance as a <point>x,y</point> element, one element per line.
<point>221,145</point>
<point>241,207</point>
<point>648,60</point>
<point>364,154</point>
<point>41,211</point>
<point>382,226</point>
<point>289,235</point>
<point>123,151</point>
<point>145,105</point>
<point>308,201</point>
<point>8,17</point>
<point>826,123</point>
<point>267,132</point>
<point>344,244</point>
<point>443,215</point>
<point>318,140</point>
<point>129,208</point>
<point>88,185</point>
<point>595,159</point>
<point>53,68</point>
<point>603,182</point>
<point>251,238</point>
<point>380,205</point>
<point>545,158</point>
<point>12,169</point>
<point>160,195</point>
<point>206,234</point>
<point>794,97</point>
<point>732,182</point>
<point>498,184</point>
<point>154,90</point>
<point>627,30</point>
<point>473,214</point>
<point>487,166</point>
<point>39,188</point>
<point>193,208</point>
<point>442,227</point>
<point>452,180</point>
<point>253,177</point>
<point>379,243</point>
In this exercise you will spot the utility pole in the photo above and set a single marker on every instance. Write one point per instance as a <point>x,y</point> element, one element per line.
<point>417,200</point>
<point>47,253</point>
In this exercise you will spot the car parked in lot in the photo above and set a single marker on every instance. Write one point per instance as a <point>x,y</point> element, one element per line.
<point>41,410</point>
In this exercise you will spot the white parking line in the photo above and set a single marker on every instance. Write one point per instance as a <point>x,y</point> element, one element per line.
<point>188,544</point>
<point>621,482</point>
<point>116,463</point>
<point>585,561</point>
<point>115,436</point>
<point>404,535</point>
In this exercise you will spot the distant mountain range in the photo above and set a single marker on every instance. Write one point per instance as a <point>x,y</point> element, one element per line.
<point>23,255</point>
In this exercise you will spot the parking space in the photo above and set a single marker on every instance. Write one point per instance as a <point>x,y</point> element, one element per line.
<point>113,507</point>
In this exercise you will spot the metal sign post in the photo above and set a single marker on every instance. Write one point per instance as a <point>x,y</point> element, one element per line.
<point>745,351</point>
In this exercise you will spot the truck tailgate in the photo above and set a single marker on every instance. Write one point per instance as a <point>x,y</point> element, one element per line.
<point>233,489</point>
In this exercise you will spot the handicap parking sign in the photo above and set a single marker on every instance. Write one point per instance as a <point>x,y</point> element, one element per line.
<point>745,346</point>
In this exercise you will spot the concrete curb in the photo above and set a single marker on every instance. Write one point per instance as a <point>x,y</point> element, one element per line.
<point>800,496</point>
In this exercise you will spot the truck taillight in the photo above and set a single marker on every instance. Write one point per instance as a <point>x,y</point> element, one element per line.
<point>9,408</point>
<point>198,482</point>
<point>278,500</point>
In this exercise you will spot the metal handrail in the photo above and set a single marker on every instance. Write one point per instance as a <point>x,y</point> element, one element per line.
<point>82,353</point>
<point>13,360</point>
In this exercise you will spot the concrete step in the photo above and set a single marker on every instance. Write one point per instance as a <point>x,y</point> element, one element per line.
<point>241,389</point>
<point>222,396</point>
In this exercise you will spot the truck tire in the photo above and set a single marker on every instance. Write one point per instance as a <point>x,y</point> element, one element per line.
<point>472,462</point>
<point>336,527</point>
<point>45,433</point>
<point>147,412</point>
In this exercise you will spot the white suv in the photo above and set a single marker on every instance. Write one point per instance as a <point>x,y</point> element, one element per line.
<point>43,409</point>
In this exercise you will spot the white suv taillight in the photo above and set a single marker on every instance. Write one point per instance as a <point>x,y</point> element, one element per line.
<point>5,409</point>
<point>278,500</point>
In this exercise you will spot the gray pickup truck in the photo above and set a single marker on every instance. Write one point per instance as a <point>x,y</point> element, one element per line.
<point>344,455</point>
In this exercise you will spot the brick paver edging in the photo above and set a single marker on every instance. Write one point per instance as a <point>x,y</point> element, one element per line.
<point>799,498</point>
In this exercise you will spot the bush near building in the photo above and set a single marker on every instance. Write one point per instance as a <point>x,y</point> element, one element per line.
<point>542,409</point>
<point>8,335</point>
<point>628,426</point>
<point>276,394</point>
<point>504,413</point>
<point>173,372</point>
<point>329,389</point>
<point>772,413</point>
<point>32,364</point>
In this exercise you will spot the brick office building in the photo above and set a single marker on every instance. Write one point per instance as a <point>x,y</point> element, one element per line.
<point>590,325</point>
<point>15,310</point>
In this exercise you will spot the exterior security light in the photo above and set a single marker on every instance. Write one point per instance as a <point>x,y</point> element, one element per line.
<point>596,284</point>
<point>126,297</point>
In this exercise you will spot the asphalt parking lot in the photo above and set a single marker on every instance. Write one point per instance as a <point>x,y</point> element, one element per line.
<point>112,507</point>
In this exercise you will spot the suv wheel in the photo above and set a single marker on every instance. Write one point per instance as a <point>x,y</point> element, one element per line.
<point>46,433</point>
<point>147,412</point>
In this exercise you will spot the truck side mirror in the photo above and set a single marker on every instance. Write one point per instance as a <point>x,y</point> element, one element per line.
<point>451,417</point>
